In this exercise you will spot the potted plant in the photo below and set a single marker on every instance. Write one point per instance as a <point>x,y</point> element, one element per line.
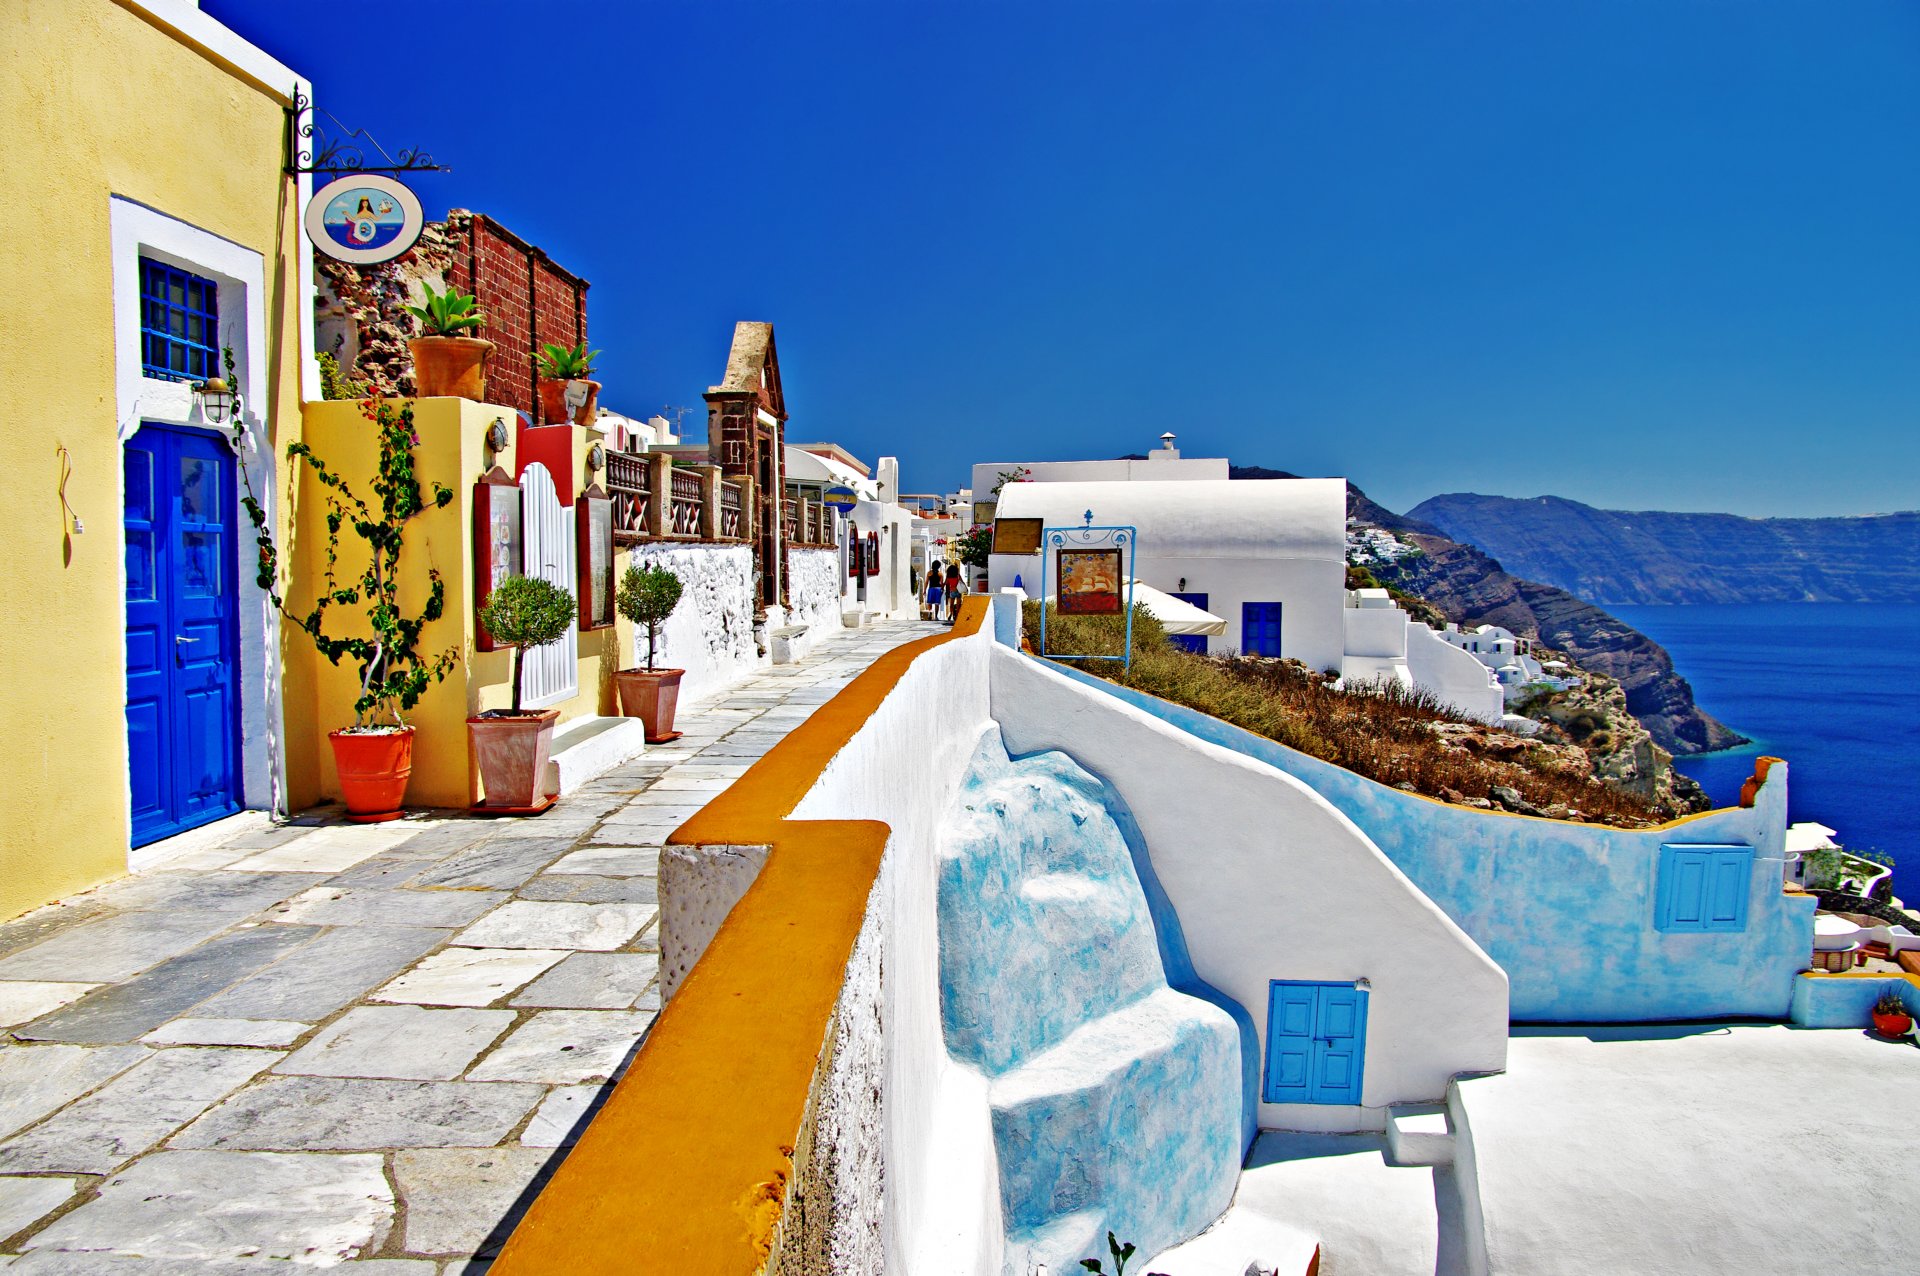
<point>565,391</point>
<point>1890,1017</point>
<point>447,360</point>
<point>647,596</point>
<point>374,756</point>
<point>512,744</point>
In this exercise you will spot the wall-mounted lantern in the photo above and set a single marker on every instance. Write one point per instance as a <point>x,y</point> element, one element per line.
<point>497,435</point>
<point>597,457</point>
<point>218,402</point>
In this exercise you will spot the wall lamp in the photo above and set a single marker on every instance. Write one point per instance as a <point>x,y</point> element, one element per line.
<point>497,435</point>
<point>218,401</point>
<point>597,457</point>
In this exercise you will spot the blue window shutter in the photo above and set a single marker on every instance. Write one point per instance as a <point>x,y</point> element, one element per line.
<point>1316,1042</point>
<point>1290,1020</point>
<point>1260,629</point>
<point>1702,888</point>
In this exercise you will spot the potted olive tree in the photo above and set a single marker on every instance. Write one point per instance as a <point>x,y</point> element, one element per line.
<point>374,756</point>
<point>448,361</point>
<point>647,597</point>
<point>512,744</point>
<point>566,393</point>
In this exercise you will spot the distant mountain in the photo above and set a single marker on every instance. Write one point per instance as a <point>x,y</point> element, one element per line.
<point>1471,588</point>
<point>1623,558</point>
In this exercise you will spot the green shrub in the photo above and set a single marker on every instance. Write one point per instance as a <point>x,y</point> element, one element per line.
<point>559,363</point>
<point>647,596</point>
<point>526,612</point>
<point>335,384</point>
<point>446,314</point>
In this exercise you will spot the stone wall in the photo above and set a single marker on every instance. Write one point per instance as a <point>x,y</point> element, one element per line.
<point>710,633</point>
<point>813,588</point>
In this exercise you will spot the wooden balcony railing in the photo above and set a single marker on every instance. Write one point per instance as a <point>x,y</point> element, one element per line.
<point>629,483</point>
<point>654,499</point>
<point>687,499</point>
<point>733,524</point>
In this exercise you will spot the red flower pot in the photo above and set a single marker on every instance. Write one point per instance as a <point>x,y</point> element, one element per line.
<point>374,767</point>
<point>1892,1025</point>
<point>450,367</point>
<point>651,695</point>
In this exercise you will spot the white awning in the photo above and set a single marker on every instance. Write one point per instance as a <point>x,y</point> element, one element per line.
<point>1175,615</point>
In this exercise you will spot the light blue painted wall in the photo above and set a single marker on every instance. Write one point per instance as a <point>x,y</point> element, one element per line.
<point>1566,909</point>
<point>1117,1102</point>
<point>1845,1002</point>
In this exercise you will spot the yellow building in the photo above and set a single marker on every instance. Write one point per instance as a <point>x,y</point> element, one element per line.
<point>125,597</point>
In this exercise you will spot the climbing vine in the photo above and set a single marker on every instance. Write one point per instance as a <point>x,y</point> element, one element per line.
<point>393,672</point>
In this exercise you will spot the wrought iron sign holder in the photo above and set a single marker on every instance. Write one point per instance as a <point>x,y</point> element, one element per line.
<point>314,149</point>
<point>1053,540</point>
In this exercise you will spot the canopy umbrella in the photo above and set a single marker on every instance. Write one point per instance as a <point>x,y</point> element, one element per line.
<point>1175,615</point>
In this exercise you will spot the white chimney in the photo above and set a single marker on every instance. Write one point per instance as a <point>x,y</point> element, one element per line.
<point>1167,451</point>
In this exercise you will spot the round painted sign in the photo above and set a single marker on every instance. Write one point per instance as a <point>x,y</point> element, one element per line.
<point>841,497</point>
<point>364,218</point>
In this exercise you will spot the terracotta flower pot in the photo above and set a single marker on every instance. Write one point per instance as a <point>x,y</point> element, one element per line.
<point>374,767</point>
<point>1892,1025</point>
<point>651,695</point>
<point>553,401</point>
<point>512,750</point>
<point>450,367</point>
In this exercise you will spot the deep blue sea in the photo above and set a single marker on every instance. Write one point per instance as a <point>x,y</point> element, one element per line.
<point>1834,688</point>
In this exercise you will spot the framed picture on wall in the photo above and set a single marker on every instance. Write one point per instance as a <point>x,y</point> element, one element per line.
<point>594,559</point>
<point>497,543</point>
<point>1090,582</point>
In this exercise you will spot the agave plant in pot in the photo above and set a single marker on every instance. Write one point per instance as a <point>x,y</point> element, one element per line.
<point>448,360</point>
<point>647,596</point>
<point>1890,1015</point>
<point>374,756</point>
<point>512,745</point>
<point>566,392</point>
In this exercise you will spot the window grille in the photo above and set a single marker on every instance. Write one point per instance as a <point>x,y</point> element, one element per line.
<point>179,323</point>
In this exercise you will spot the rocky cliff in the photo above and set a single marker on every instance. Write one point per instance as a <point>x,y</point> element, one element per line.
<point>1621,557</point>
<point>1472,588</point>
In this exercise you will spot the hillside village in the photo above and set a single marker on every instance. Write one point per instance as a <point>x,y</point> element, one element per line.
<point>545,836</point>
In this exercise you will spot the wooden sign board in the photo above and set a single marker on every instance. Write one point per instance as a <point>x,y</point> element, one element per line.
<point>1017,535</point>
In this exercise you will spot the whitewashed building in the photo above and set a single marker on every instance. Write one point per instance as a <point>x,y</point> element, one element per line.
<point>1512,661</point>
<point>1385,644</point>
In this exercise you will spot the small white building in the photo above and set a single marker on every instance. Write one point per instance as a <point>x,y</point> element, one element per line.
<point>1385,644</point>
<point>1163,463</point>
<point>1268,556</point>
<point>1511,658</point>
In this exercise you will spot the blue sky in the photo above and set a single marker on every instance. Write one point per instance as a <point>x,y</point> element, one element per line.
<point>1645,255</point>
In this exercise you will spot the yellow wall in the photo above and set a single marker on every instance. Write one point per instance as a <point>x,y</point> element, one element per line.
<point>99,102</point>
<point>452,451</point>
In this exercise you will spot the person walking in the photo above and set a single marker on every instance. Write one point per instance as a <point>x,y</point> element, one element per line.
<point>956,586</point>
<point>932,609</point>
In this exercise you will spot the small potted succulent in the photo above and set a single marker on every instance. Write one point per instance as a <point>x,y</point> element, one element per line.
<point>448,361</point>
<point>1890,1016</point>
<point>647,597</point>
<point>566,393</point>
<point>512,745</point>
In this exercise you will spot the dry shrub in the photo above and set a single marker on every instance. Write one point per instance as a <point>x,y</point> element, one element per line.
<point>1386,732</point>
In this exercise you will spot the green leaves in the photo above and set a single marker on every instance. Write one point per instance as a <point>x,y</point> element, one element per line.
<point>447,314</point>
<point>647,596</point>
<point>526,611</point>
<point>562,364</point>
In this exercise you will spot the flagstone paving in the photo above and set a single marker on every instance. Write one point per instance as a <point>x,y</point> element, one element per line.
<point>365,1046</point>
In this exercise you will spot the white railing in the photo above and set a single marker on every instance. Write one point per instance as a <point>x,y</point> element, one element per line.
<point>552,672</point>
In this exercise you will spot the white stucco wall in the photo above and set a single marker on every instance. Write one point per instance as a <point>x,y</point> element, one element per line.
<point>1270,881</point>
<point>904,767</point>
<point>1239,541</point>
<point>888,592</point>
<point>710,633</point>
<point>1453,675</point>
<point>813,589</point>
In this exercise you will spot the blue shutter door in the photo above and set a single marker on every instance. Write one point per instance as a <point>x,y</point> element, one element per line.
<point>1260,629</point>
<point>1192,642</point>
<point>1316,1042</point>
<point>1727,891</point>
<point>182,631</point>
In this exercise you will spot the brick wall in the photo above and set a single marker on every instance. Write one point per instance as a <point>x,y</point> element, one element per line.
<point>528,300</point>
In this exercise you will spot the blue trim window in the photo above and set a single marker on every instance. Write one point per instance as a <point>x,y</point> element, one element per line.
<point>179,323</point>
<point>1260,629</point>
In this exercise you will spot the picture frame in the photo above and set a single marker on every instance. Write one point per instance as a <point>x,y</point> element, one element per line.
<point>1091,582</point>
<point>498,542</point>
<point>594,557</point>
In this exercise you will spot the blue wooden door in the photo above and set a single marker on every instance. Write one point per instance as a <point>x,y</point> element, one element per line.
<point>1192,642</point>
<point>182,630</point>
<point>1260,629</point>
<point>1316,1042</point>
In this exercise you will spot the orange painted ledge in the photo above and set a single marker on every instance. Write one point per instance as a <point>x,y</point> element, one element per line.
<point>685,1168</point>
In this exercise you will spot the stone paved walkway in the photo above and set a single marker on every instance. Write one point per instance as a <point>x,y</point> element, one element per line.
<point>363,1044</point>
